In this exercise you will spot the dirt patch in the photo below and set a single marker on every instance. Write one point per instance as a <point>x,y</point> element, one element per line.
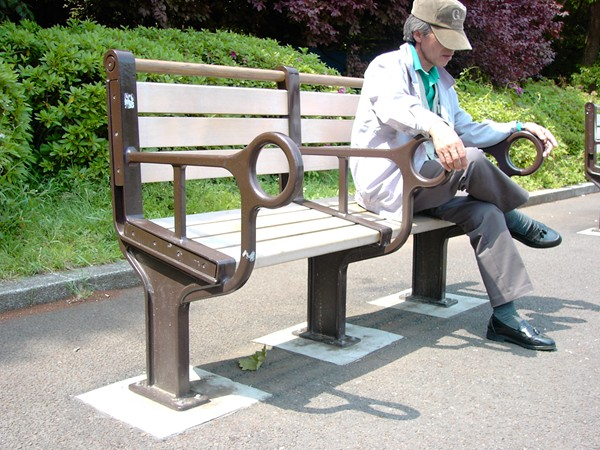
<point>70,302</point>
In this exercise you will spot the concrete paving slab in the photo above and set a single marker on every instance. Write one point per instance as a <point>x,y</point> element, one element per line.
<point>226,397</point>
<point>400,301</point>
<point>591,232</point>
<point>370,341</point>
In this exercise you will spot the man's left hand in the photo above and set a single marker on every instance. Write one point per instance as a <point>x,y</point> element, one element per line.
<point>543,134</point>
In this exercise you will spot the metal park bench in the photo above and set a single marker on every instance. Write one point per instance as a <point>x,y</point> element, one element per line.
<point>202,127</point>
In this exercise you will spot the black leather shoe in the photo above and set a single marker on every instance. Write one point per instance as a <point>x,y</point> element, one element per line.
<point>526,336</point>
<point>538,236</point>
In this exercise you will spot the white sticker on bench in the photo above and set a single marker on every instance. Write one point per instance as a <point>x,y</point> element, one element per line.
<point>371,340</point>
<point>118,401</point>
<point>399,301</point>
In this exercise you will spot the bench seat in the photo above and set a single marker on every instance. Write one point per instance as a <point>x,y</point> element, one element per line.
<point>292,232</point>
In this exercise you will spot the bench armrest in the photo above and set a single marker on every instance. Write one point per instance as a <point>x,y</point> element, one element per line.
<point>412,180</point>
<point>243,166</point>
<point>501,152</point>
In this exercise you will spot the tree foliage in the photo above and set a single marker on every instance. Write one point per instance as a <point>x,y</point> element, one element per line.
<point>514,35</point>
<point>512,39</point>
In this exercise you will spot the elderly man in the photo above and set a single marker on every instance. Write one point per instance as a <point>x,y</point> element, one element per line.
<point>408,92</point>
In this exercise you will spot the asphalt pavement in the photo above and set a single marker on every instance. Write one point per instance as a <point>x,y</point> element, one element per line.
<point>442,385</point>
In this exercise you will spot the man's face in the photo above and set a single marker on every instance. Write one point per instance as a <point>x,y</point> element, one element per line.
<point>431,52</point>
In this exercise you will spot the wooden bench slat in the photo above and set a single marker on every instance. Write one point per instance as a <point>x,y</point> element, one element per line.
<point>325,241</point>
<point>326,131</point>
<point>328,104</point>
<point>200,228</point>
<point>204,131</point>
<point>281,233</point>
<point>152,173</point>
<point>291,248</point>
<point>201,99</point>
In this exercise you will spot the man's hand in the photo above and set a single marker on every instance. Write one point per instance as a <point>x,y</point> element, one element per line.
<point>448,147</point>
<point>543,134</point>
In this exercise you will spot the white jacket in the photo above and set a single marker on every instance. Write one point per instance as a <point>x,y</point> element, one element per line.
<point>390,112</point>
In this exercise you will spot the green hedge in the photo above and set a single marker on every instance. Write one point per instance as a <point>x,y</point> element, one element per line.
<point>60,75</point>
<point>560,109</point>
<point>53,96</point>
<point>15,129</point>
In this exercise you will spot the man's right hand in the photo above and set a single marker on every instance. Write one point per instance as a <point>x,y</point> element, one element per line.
<point>448,146</point>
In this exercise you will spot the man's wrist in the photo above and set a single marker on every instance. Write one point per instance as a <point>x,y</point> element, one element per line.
<point>436,125</point>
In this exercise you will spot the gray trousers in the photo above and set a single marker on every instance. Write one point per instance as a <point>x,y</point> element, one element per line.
<point>476,200</point>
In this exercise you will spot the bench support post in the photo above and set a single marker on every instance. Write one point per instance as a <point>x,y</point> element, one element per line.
<point>429,266</point>
<point>327,281</point>
<point>326,321</point>
<point>167,335</point>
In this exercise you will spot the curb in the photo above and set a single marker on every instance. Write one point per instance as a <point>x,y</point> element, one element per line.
<point>53,287</point>
<point>553,195</point>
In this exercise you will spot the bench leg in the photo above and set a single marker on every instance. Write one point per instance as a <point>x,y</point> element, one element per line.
<point>429,266</point>
<point>326,321</point>
<point>167,337</point>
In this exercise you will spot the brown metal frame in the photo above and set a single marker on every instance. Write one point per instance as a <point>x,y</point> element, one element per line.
<point>592,143</point>
<point>176,270</point>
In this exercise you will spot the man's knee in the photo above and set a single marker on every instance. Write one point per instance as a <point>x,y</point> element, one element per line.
<point>478,157</point>
<point>486,217</point>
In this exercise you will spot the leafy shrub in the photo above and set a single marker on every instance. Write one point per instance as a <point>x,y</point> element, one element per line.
<point>513,35</point>
<point>588,78</point>
<point>15,117</point>
<point>561,110</point>
<point>62,76</point>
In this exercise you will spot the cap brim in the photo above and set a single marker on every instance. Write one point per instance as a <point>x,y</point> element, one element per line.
<point>451,39</point>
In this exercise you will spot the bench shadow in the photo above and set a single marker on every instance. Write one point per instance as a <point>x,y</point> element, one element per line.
<point>295,381</point>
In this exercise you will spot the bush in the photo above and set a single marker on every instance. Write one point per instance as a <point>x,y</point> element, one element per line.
<point>61,73</point>
<point>15,118</point>
<point>514,35</point>
<point>561,110</point>
<point>588,78</point>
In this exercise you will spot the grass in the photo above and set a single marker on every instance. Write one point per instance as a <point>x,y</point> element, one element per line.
<point>57,230</point>
<point>52,230</point>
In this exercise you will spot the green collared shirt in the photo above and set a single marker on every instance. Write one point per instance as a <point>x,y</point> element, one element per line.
<point>429,78</point>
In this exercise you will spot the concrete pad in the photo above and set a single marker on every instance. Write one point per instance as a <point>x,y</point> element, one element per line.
<point>591,232</point>
<point>399,301</point>
<point>370,341</point>
<point>226,397</point>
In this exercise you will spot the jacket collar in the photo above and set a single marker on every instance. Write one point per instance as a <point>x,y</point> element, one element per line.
<point>446,80</point>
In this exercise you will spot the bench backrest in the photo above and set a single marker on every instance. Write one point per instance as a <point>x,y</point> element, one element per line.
<point>205,118</point>
<point>592,142</point>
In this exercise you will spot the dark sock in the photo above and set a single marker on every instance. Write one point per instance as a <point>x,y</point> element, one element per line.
<point>517,221</point>
<point>508,315</point>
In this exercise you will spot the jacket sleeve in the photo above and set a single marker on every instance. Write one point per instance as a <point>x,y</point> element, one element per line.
<point>478,134</point>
